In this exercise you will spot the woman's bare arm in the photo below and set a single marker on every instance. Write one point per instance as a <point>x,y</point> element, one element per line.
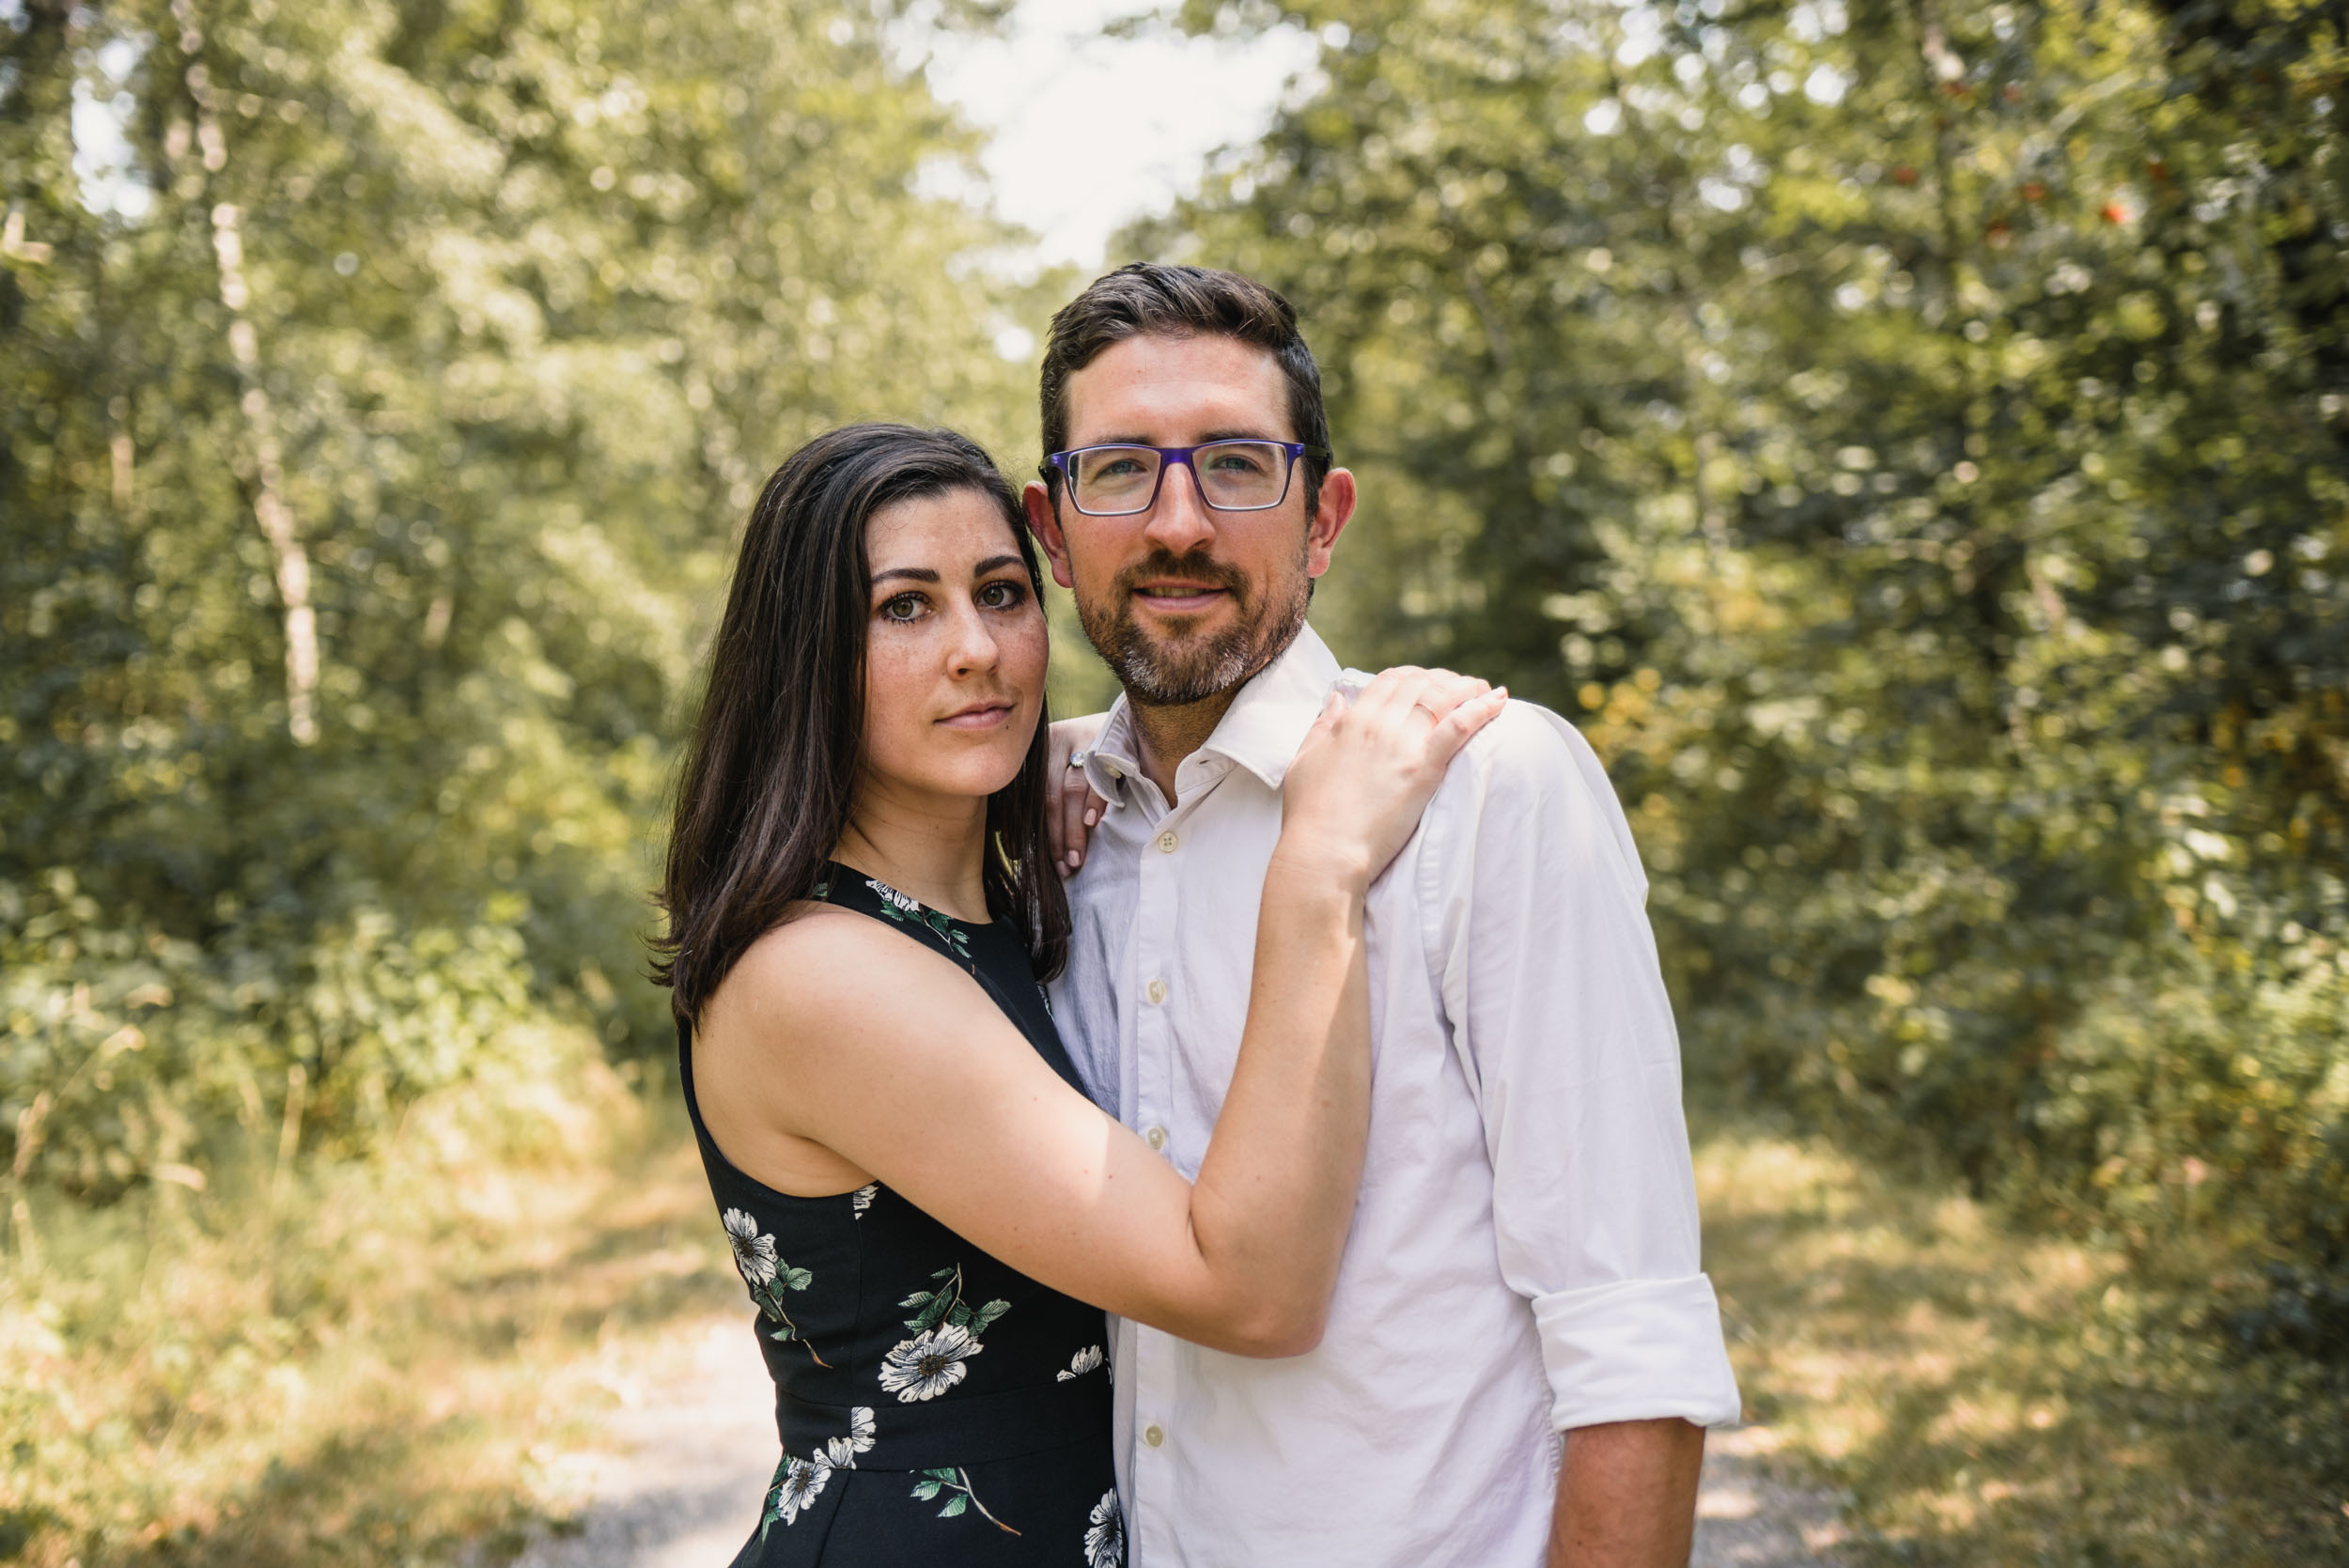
<point>837,1032</point>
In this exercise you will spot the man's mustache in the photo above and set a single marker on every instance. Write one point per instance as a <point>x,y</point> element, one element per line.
<point>1198,570</point>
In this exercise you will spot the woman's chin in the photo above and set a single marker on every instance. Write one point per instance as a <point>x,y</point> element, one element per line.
<point>974,778</point>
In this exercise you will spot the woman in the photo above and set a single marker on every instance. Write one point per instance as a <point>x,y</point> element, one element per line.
<point>928,1211</point>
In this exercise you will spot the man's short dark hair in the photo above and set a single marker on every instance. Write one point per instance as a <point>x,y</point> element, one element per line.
<point>1151,298</point>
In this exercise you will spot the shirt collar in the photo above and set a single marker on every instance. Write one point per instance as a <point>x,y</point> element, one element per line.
<point>1261,731</point>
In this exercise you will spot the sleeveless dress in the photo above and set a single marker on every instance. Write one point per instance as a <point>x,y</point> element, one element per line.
<point>935,1405</point>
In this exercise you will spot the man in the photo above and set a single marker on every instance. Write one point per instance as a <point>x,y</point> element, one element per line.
<point>1522,1352</point>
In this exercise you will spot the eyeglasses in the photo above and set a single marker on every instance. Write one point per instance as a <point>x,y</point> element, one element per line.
<point>1121,480</point>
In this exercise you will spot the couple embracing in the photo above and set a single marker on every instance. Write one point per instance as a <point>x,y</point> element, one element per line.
<point>1289,1170</point>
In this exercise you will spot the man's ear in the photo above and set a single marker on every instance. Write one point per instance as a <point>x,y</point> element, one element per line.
<point>1045,525</point>
<point>1332,512</point>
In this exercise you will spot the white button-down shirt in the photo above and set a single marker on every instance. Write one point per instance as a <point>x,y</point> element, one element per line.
<point>1523,1257</point>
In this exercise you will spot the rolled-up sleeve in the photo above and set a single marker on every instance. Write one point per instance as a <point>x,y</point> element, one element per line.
<point>1538,939</point>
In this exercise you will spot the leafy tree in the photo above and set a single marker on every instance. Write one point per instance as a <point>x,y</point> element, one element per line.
<point>1915,436</point>
<point>370,464</point>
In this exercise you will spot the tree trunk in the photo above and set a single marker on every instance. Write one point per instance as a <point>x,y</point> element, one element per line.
<point>270,510</point>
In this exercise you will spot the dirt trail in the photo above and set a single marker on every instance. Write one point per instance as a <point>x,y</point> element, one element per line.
<point>690,1453</point>
<point>1748,1518</point>
<point>688,1456</point>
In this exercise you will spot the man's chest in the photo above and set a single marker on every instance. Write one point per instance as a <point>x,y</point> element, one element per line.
<point>1162,966</point>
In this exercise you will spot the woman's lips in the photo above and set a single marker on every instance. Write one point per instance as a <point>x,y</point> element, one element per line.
<point>985,717</point>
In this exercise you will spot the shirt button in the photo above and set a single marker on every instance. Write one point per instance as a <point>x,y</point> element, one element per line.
<point>1154,1435</point>
<point>1167,841</point>
<point>1157,1137</point>
<point>1156,990</point>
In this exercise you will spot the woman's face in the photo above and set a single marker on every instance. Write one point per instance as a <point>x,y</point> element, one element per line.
<point>954,651</point>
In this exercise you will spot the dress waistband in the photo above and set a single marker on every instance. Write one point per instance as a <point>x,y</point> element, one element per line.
<point>953,1431</point>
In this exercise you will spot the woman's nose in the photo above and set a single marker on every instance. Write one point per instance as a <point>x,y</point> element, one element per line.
<point>974,646</point>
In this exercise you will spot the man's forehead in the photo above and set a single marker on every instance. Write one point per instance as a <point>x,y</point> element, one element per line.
<point>1176,390</point>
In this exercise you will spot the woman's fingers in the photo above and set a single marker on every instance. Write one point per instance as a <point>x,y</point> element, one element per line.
<point>1443,694</point>
<point>1471,714</point>
<point>1408,700</point>
<point>1071,810</point>
<point>1070,813</point>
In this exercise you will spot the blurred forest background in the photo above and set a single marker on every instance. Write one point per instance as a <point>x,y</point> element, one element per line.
<point>1910,436</point>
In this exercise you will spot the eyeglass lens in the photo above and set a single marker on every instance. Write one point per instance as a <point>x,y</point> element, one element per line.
<point>1235,475</point>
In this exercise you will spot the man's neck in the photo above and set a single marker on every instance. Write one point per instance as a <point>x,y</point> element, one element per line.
<point>1166,735</point>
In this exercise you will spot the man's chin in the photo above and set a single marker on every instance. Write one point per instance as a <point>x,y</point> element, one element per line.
<point>1169,673</point>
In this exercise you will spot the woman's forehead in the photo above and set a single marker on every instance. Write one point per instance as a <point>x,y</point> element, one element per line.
<point>956,531</point>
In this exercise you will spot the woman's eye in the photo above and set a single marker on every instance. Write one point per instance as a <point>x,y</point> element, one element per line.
<point>905,607</point>
<point>1002,595</point>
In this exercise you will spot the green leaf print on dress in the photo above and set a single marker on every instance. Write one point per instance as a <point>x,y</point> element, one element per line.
<point>902,909</point>
<point>958,1482</point>
<point>769,1275</point>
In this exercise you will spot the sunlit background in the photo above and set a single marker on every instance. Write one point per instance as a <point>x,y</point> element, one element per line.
<point>1911,437</point>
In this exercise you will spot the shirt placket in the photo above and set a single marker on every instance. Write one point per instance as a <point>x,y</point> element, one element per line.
<point>1156,1356</point>
<point>1154,1045</point>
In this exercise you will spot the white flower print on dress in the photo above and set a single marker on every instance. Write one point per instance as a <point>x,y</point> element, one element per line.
<point>861,1199</point>
<point>800,1483</point>
<point>753,1253</point>
<point>842,1452</point>
<point>1081,1363</point>
<point>929,1364</point>
<point>1105,1540</point>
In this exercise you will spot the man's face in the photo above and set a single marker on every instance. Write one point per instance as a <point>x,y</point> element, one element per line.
<point>1185,602</point>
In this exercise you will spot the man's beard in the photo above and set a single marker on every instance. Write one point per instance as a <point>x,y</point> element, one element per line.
<point>1163,674</point>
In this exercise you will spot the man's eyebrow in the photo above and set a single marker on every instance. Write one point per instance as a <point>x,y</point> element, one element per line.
<point>1235,432</point>
<point>919,574</point>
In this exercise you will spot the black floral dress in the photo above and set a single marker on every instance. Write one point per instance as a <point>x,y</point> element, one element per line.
<point>935,1405</point>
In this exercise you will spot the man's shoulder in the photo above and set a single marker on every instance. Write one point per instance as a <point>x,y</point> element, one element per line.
<point>1529,766</point>
<point>1529,747</point>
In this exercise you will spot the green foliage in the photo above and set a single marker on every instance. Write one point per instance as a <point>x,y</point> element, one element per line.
<point>503,311</point>
<point>1915,434</point>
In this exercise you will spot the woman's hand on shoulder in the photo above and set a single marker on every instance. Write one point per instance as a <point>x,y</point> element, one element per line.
<point>1070,807</point>
<point>1368,767</point>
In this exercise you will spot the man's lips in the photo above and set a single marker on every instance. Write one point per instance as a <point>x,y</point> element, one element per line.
<point>1179,597</point>
<point>979,716</point>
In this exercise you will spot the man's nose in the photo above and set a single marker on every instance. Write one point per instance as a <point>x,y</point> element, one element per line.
<point>1180,522</point>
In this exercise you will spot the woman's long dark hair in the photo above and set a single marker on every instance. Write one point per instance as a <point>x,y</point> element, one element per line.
<point>769,773</point>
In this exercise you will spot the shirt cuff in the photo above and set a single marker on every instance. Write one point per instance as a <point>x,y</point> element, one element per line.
<point>1637,1350</point>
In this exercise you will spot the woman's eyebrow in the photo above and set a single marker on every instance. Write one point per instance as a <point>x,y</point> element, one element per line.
<point>919,574</point>
<point>996,563</point>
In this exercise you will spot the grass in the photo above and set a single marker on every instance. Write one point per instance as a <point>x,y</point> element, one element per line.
<point>1977,1395</point>
<point>389,1362</point>
<point>401,1361</point>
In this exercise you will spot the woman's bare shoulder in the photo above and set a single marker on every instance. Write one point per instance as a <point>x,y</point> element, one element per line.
<point>824,967</point>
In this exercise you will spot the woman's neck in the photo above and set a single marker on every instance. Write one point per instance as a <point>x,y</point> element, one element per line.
<point>932,848</point>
